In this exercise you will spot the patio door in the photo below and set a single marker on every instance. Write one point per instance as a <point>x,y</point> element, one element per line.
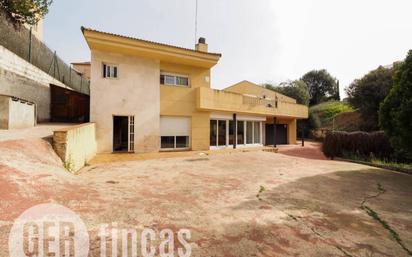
<point>218,132</point>
<point>123,133</point>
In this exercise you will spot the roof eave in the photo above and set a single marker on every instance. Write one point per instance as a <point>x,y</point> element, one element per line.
<point>97,40</point>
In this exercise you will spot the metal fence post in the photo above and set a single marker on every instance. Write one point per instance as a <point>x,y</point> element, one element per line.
<point>30,39</point>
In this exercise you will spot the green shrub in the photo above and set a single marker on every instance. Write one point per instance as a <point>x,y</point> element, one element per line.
<point>322,115</point>
<point>395,115</point>
<point>360,144</point>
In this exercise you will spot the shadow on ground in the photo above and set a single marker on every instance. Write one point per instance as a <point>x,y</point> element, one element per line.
<point>322,216</point>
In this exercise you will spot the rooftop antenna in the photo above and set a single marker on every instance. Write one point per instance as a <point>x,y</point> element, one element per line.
<point>196,22</point>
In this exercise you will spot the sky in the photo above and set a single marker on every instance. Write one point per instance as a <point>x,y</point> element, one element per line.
<point>260,40</point>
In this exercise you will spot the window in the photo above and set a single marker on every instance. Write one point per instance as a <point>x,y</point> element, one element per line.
<point>174,80</point>
<point>240,133</point>
<point>174,132</point>
<point>256,132</point>
<point>221,130</point>
<point>232,136</point>
<point>167,142</point>
<point>249,132</point>
<point>213,132</point>
<point>174,142</point>
<point>182,142</point>
<point>109,71</point>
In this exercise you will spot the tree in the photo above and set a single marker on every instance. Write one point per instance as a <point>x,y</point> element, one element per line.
<point>395,113</point>
<point>25,11</point>
<point>296,89</point>
<point>321,85</point>
<point>337,93</point>
<point>367,93</point>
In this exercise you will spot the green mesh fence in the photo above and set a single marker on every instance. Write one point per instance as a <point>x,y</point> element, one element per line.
<point>18,40</point>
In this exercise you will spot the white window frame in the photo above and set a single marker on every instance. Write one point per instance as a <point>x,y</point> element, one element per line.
<point>175,75</point>
<point>111,68</point>
<point>175,148</point>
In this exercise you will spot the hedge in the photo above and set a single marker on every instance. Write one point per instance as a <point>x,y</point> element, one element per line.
<point>362,144</point>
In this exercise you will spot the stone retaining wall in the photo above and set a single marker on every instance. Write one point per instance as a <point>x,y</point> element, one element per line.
<point>75,145</point>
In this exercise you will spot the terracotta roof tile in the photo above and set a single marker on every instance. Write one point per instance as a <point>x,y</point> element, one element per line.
<point>146,41</point>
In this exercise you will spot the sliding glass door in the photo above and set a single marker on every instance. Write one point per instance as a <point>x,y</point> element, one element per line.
<point>221,132</point>
<point>213,132</point>
<point>249,132</point>
<point>256,132</point>
<point>232,135</point>
<point>240,132</point>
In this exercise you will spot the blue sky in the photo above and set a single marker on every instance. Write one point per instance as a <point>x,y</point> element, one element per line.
<point>261,40</point>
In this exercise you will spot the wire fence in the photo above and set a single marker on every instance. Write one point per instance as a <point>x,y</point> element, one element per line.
<point>19,40</point>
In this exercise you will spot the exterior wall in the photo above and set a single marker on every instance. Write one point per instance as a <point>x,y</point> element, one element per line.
<point>291,128</point>
<point>21,79</point>
<point>75,145</point>
<point>4,112</point>
<point>220,100</point>
<point>136,92</point>
<point>181,101</point>
<point>83,68</point>
<point>292,132</point>
<point>246,87</point>
<point>37,30</point>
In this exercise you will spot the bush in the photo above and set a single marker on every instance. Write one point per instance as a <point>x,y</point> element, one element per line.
<point>360,144</point>
<point>321,115</point>
<point>395,115</point>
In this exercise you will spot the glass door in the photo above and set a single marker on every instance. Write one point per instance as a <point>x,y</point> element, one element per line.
<point>232,135</point>
<point>213,132</point>
<point>221,134</point>
<point>240,133</point>
<point>249,132</point>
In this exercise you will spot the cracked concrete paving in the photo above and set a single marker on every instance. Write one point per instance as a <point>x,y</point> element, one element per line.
<point>309,206</point>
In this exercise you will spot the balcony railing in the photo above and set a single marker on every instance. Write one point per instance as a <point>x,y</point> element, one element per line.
<point>218,100</point>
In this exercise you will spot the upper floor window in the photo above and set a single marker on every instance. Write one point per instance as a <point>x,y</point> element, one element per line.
<point>174,80</point>
<point>109,71</point>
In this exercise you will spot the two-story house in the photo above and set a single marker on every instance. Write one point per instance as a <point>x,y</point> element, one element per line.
<point>147,97</point>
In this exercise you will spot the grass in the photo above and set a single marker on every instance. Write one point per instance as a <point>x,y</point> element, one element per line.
<point>385,163</point>
<point>392,232</point>
<point>407,166</point>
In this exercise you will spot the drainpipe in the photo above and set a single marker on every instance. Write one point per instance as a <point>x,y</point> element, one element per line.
<point>274,131</point>
<point>235,130</point>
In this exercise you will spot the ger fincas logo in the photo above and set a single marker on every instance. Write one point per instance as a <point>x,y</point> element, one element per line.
<point>48,230</point>
<point>54,230</point>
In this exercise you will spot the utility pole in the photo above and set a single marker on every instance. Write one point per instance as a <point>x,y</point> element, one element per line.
<point>196,22</point>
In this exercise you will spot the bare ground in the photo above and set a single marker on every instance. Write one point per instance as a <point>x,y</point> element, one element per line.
<point>306,206</point>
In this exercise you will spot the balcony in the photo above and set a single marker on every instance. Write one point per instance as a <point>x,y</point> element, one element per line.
<point>218,100</point>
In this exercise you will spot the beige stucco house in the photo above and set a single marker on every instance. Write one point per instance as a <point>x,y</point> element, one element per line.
<point>83,68</point>
<point>148,97</point>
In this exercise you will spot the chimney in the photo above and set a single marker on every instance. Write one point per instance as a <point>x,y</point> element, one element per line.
<point>201,46</point>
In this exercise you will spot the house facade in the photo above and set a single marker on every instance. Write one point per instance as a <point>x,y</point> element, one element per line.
<point>149,97</point>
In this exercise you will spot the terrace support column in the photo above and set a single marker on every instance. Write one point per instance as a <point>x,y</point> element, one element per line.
<point>274,131</point>
<point>303,135</point>
<point>235,130</point>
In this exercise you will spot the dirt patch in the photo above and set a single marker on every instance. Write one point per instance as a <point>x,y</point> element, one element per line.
<point>311,150</point>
